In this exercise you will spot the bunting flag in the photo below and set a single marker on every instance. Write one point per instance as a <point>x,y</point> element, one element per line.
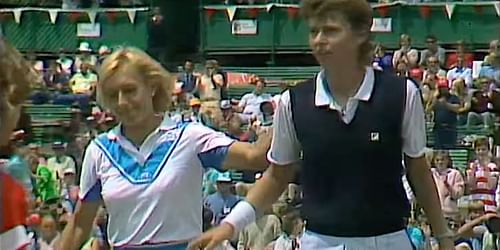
<point>53,15</point>
<point>425,11</point>
<point>112,16</point>
<point>231,11</point>
<point>449,7</point>
<point>292,12</point>
<point>17,15</point>
<point>92,15</point>
<point>253,12</point>
<point>210,13</point>
<point>497,8</point>
<point>269,7</point>
<point>383,10</point>
<point>131,15</point>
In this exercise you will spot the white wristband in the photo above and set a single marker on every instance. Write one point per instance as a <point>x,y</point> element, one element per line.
<point>242,215</point>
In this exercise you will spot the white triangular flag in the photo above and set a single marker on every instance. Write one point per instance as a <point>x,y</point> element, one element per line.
<point>53,15</point>
<point>497,7</point>
<point>231,11</point>
<point>17,15</point>
<point>450,7</point>
<point>131,15</point>
<point>269,7</point>
<point>92,15</point>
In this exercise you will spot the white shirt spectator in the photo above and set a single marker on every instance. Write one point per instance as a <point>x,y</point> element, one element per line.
<point>144,189</point>
<point>59,166</point>
<point>285,147</point>
<point>464,73</point>
<point>251,102</point>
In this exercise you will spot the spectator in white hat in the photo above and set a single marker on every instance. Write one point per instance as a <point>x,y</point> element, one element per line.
<point>222,201</point>
<point>103,52</point>
<point>85,56</point>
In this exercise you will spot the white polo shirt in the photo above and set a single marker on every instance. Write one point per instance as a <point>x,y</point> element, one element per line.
<point>285,147</point>
<point>153,194</point>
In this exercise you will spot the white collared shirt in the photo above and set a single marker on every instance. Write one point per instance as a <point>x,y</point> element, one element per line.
<point>168,208</point>
<point>286,148</point>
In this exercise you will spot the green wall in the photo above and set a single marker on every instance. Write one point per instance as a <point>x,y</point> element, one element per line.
<point>36,33</point>
<point>277,32</point>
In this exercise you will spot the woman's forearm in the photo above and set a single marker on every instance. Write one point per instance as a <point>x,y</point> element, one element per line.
<point>73,236</point>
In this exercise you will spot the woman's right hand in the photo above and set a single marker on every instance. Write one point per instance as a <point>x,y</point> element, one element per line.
<point>213,238</point>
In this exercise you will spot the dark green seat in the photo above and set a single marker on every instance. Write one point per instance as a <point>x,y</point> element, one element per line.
<point>460,158</point>
<point>462,132</point>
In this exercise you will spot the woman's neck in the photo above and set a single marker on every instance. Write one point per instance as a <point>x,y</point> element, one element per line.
<point>345,80</point>
<point>137,134</point>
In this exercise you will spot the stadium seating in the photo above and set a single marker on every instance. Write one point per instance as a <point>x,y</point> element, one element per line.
<point>238,91</point>
<point>278,73</point>
<point>48,120</point>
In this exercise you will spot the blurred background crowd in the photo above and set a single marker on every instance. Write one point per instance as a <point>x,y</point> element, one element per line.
<point>459,81</point>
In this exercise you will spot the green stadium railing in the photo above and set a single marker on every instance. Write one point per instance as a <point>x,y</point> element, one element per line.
<point>236,92</point>
<point>48,121</point>
<point>278,73</point>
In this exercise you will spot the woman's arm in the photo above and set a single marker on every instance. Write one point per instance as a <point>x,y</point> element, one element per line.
<point>79,227</point>
<point>243,155</point>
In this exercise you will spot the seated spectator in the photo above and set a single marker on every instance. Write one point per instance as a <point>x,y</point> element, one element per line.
<point>402,69</point>
<point>449,182</point>
<point>432,50</point>
<point>292,229</point>
<point>49,235</point>
<point>481,176</point>
<point>491,68</point>
<point>60,162</point>
<point>261,232</point>
<point>85,56</point>
<point>382,60</point>
<point>249,105</point>
<point>452,58</point>
<point>479,106</point>
<point>84,81</point>
<point>55,77</point>
<point>429,88</point>
<point>460,70</point>
<point>223,201</point>
<point>405,53</point>
<point>65,62</point>
<point>432,66</point>
<point>493,48</point>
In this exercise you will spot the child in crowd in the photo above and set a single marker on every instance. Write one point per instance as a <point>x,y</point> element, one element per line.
<point>449,182</point>
<point>482,176</point>
<point>292,227</point>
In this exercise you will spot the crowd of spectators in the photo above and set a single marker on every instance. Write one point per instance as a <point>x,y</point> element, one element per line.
<point>453,96</point>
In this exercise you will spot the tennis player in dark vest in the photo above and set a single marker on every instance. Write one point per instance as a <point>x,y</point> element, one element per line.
<point>353,126</point>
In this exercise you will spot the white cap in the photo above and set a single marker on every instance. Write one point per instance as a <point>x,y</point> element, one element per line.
<point>225,104</point>
<point>104,50</point>
<point>84,46</point>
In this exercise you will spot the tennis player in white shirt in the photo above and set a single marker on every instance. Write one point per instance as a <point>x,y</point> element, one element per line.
<point>148,170</point>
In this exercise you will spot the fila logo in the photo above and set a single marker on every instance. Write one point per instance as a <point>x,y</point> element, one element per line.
<point>374,136</point>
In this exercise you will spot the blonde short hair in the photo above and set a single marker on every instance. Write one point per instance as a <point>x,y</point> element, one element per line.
<point>16,74</point>
<point>150,70</point>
